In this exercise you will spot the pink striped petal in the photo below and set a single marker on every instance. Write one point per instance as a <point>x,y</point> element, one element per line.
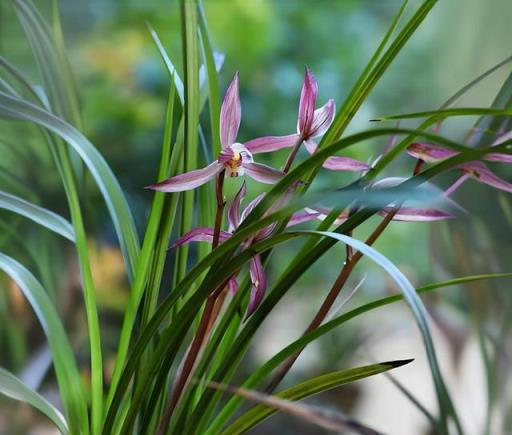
<point>411,214</point>
<point>322,118</point>
<point>234,209</point>
<point>233,285</point>
<point>188,180</point>
<point>250,207</point>
<point>230,114</point>
<point>429,153</point>
<point>307,103</point>
<point>263,173</point>
<point>498,157</point>
<point>271,143</point>
<point>201,234</point>
<point>300,217</point>
<point>259,284</point>
<point>480,172</point>
<point>337,163</point>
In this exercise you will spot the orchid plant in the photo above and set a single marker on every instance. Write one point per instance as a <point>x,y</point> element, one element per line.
<point>181,349</point>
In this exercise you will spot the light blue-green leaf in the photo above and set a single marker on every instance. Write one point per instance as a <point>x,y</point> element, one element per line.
<point>122,218</point>
<point>42,216</point>
<point>14,388</point>
<point>66,369</point>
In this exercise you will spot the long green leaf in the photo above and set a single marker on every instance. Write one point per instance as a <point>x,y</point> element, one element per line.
<point>105,179</point>
<point>143,266</point>
<point>212,80</point>
<point>190,55</point>
<point>169,65</point>
<point>14,388</point>
<point>67,372</point>
<point>444,113</point>
<point>52,61</point>
<point>42,216</point>
<point>309,388</point>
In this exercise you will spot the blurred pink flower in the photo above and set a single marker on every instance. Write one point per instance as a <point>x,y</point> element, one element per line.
<point>477,170</point>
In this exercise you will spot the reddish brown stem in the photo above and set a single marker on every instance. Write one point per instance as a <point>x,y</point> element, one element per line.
<point>330,299</point>
<point>221,203</point>
<point>293,154</point>
<point>206,318</point>
<point>351,262</point>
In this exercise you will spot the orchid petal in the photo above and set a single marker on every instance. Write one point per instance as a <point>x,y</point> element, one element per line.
<point>300,217</point>
<point>265,232</point>
<point>307,103</point>
<point>230,114</point>
<point>498,157</point>
<point>234,209</point>
<point>201,234</point>
<point>226,155</point>
<point>480,172</point>
<point>250,207</point>
<point>337,163</point>
<point>411,214</point>
<point>259,284</point>
<point>233,285</point>
<point>271,143</point>
<point>322,118</point>
<point>188,180</point>
<point>263,173</point>
<point>429,153</point>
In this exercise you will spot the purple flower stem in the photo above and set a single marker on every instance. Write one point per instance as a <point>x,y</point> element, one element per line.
<point>455,185</point>
<point>293,154</point>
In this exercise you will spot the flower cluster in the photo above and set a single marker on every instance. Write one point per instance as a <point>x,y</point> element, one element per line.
<point>236,159</point>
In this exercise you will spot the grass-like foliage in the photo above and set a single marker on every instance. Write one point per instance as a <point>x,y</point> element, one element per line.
<point>180,349</point>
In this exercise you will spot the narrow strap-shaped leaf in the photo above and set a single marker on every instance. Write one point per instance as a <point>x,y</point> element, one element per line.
<point>212,80</point>
<point>443,113</point>
<point>14,388</point>
<point>66,370</point>
<point>42,216</point>
<point>307,389</point>
<point>171,69</point>
<point>105,179</point>
<point>50,55</point>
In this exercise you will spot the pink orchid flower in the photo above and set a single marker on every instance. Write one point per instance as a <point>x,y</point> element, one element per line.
<point>235,158</point>
<point>311,123</point>
<point>235,218</point>
<point>477,170</point>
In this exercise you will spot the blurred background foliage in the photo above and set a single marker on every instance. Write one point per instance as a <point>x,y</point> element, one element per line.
<point>123,89</point>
